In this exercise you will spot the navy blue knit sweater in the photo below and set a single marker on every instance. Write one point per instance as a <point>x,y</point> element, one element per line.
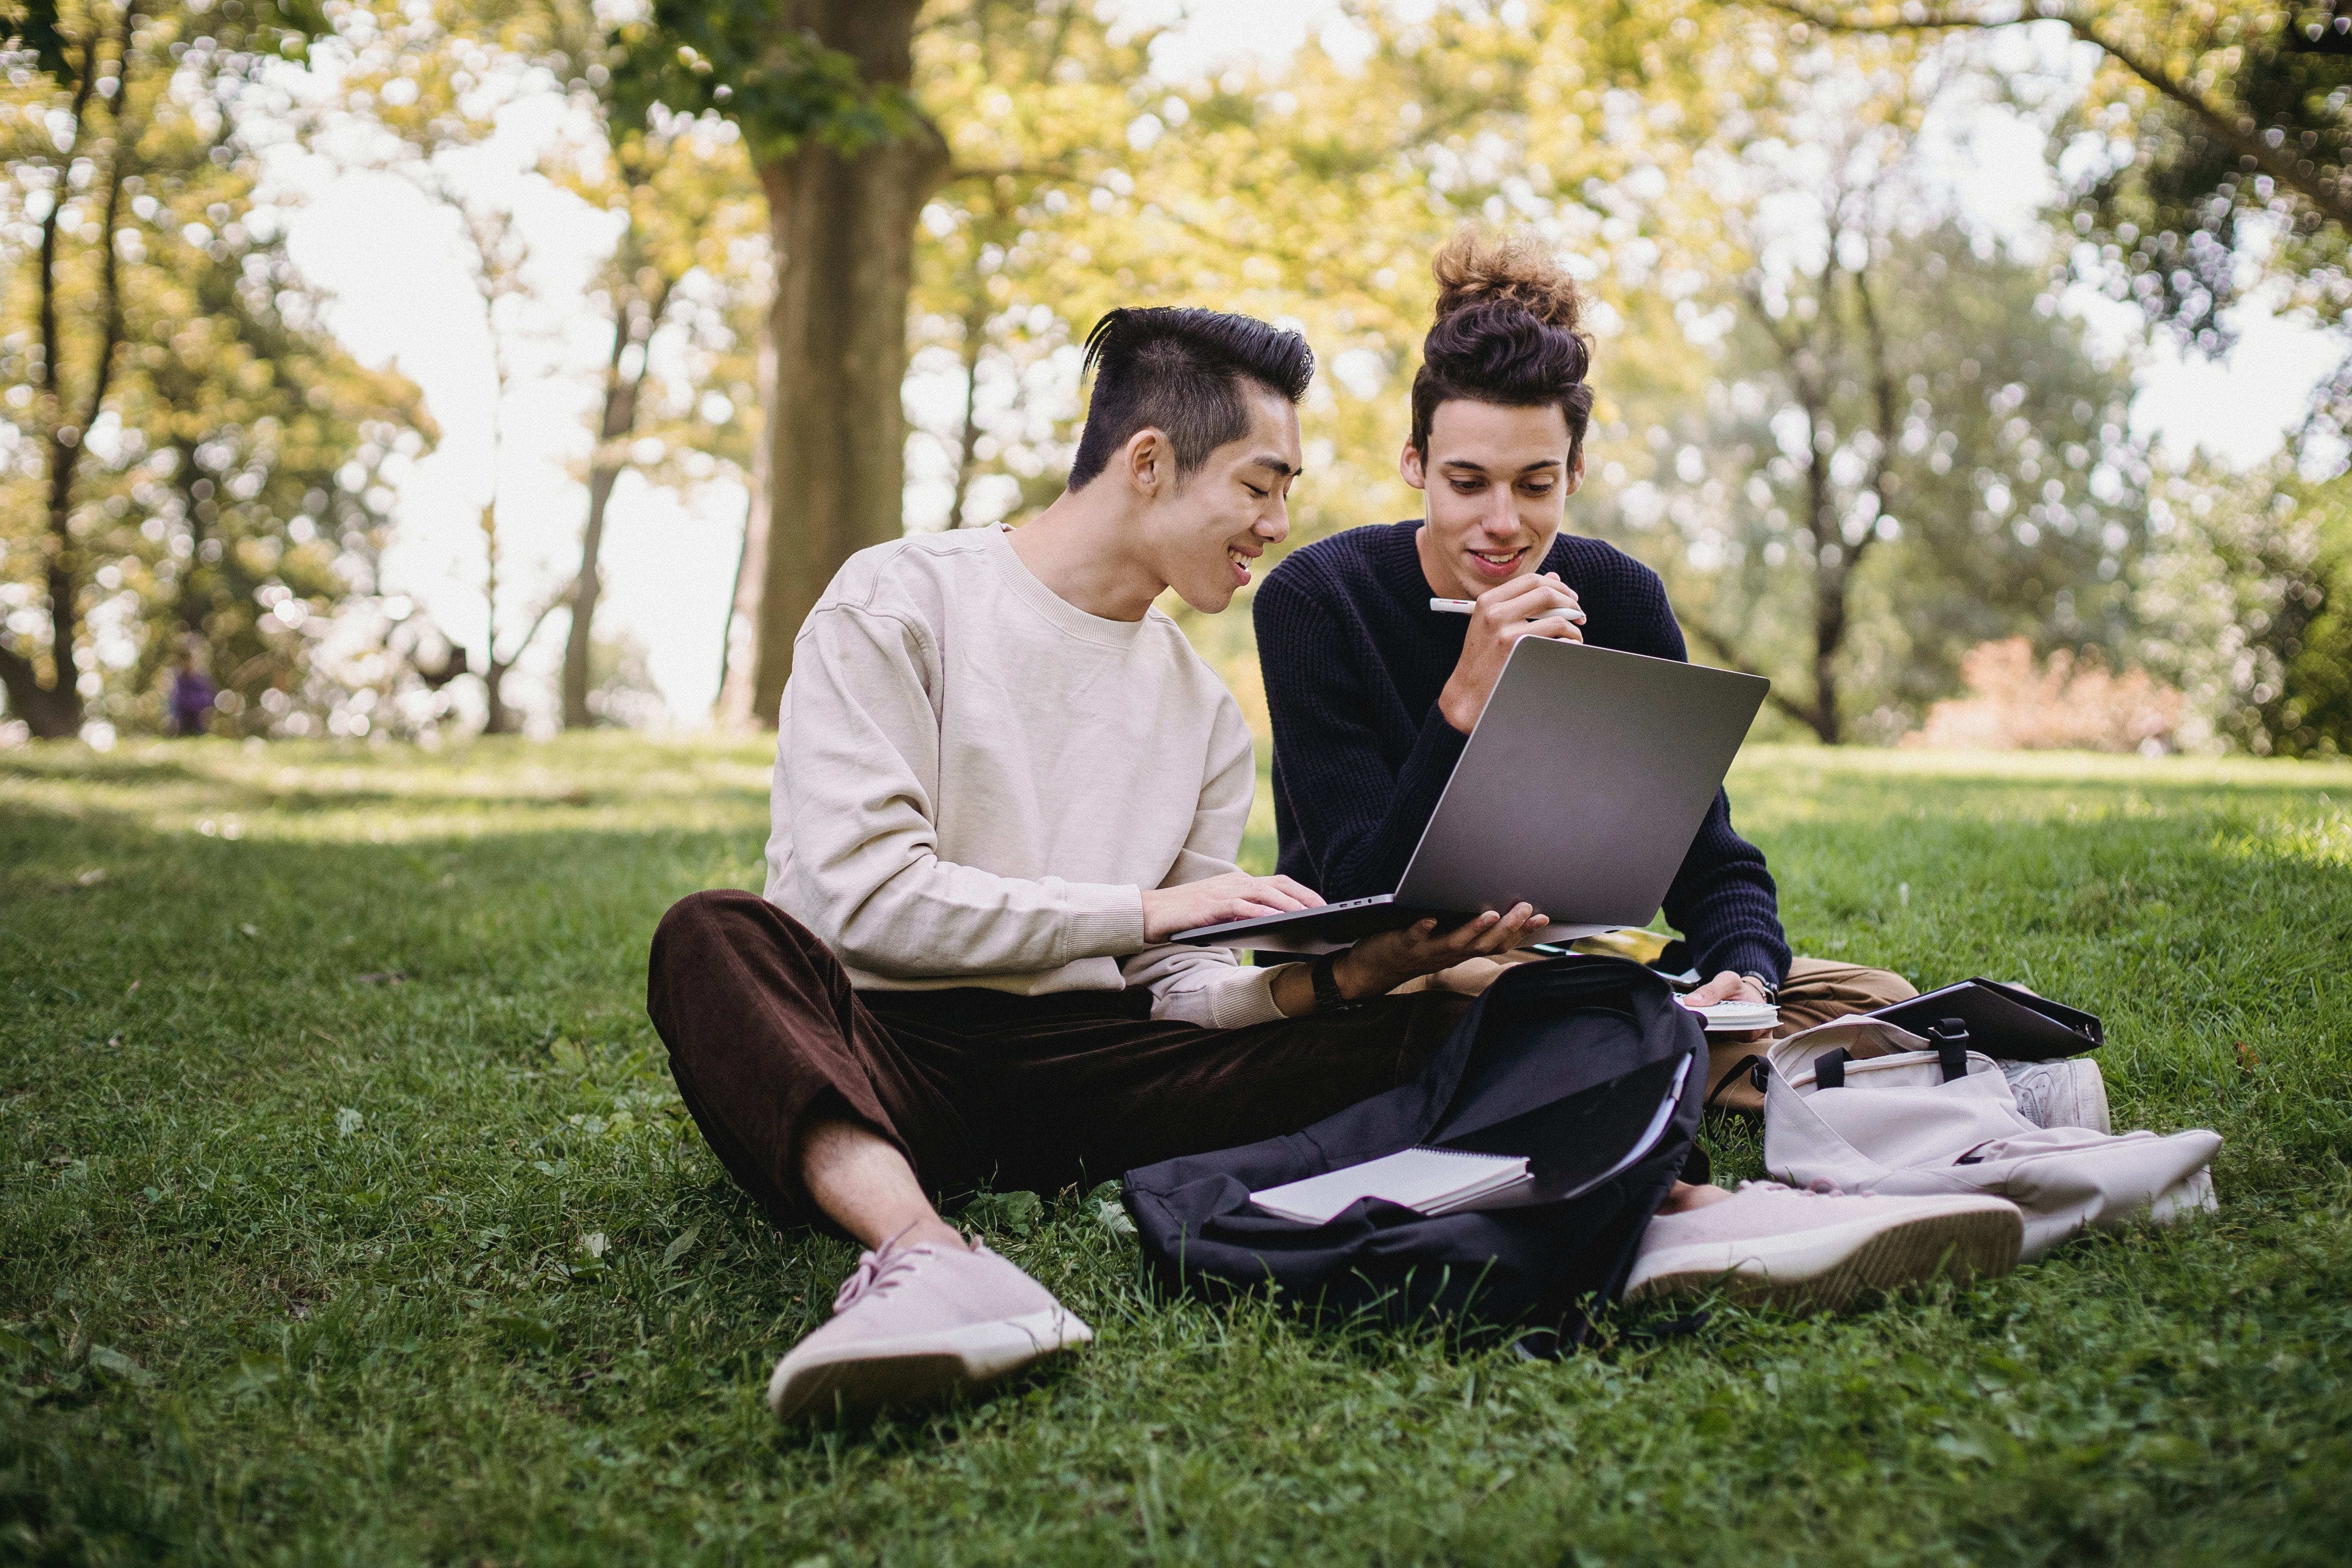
<point>1354,660</point>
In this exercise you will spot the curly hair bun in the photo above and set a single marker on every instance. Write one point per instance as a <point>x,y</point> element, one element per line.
<point>1475,269</point>
<point>1508,332</point>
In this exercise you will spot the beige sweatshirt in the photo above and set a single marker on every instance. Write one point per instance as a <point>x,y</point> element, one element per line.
<point>976,778</point>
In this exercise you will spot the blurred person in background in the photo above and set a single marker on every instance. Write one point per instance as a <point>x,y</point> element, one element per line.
<point>190,693</point>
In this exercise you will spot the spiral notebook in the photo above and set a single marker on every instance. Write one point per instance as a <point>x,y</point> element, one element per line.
<point>1434,1181</point>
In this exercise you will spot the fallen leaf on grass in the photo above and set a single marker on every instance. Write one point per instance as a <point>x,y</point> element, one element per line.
<point>109,1360</point>
<point>91,878</point>
<point>682,1246</point>
<point>1016,1212</point>
<point>347,1122</point>
<point>530,1330</point>
<point>257,1370</point>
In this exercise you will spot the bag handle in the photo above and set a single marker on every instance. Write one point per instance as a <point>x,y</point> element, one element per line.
<point>1950,1037</point>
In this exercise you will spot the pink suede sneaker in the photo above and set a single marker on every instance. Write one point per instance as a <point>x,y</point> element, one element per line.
<point>1804,1250</point>
<point>913,1325</point>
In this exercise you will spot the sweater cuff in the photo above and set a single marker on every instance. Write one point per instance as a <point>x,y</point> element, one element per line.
<point>1103,919</point>
<point>1751,958</point>
<point>1248,1000</point>
<point>1218,997</point>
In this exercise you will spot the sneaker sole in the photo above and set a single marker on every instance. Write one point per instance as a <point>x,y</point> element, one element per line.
<point>1828,1270</point>
<point>920,1369</point>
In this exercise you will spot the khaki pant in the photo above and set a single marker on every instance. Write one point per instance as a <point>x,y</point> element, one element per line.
<point>1815,991</point>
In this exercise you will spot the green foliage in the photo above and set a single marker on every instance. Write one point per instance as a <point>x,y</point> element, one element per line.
<point>285,28</point>
<point>225,453</point>
<point>2245,601</point>
<point>745,59</point>
<point>347,1130</point>
<point>2008,502</point>
<point>2173,212</point>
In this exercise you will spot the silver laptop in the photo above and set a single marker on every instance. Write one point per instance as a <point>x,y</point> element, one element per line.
<point>1578,791</point>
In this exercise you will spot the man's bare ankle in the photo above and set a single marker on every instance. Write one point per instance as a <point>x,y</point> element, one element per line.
<point>935,1232</point>
<point>1686,1197</point>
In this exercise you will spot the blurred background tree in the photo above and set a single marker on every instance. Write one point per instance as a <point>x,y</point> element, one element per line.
<point>670,299</point>
<point>2210,161</point>
<point>188,452</point>
<point>841,255</point>
<point>1904,450</point>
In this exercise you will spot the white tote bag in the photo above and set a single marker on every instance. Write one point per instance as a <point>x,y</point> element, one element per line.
<point>1895,1125</point>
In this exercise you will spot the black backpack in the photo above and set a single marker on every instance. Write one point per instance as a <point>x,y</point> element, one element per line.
<point>1588,1067</point>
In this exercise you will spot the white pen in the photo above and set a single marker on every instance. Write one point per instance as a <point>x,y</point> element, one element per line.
<point>1464,607</point>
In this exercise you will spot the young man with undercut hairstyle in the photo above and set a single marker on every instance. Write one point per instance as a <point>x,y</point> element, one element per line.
<point>1002,780</point>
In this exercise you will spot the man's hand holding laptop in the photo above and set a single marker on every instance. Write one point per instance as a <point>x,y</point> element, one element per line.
<point>1374,966</point>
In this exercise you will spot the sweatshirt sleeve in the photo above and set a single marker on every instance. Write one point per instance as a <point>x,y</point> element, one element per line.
<point>1208,986</point>
<point>857,781</point>
<point>1359,821</point>
<point>1722,900</point>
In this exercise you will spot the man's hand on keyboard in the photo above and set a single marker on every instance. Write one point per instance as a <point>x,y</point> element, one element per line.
<point>1235,896</point>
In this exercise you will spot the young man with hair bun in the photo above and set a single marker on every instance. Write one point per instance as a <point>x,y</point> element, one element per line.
<point>1373,693</point>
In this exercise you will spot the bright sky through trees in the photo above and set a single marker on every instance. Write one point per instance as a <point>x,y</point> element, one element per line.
<point>400,294</point>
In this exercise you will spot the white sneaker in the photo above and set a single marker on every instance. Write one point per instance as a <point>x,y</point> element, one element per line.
<point>915,1325</point>
<point>1770,1244</point>
<point>2067,1093</point>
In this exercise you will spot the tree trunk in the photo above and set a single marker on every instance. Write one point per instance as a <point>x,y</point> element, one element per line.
<point>54,711</point>
<point>621,394</point>
<point>1829,577</point>
<point>726,715</point>
<point>500,719</point>
<point>975,336</point>
<point>844,233</point>
<point>737,663</point>
<point>578,643</point>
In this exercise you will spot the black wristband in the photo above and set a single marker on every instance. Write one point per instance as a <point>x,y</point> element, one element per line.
<point>1328,998</point>
<point>1771,992</point>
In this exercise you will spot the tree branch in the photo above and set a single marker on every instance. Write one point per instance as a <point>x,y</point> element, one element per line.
<point>1883,381</point>
<point>2233,131</point>
<point>562,597</point>
<point>1721,647</point>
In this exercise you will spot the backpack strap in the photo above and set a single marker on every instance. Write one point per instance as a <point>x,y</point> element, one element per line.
<point>1758,1071</point>
<point>1829,1068</point>
<point>1950,1039</point>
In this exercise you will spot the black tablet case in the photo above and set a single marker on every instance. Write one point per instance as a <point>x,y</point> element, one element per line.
<point>2003,1022</point>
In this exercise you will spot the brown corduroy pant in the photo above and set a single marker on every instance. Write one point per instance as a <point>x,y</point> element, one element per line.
<point>766,1036</point>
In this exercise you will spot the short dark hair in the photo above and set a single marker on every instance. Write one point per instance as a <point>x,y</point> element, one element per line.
<point>1509,330</point>
<point>1177,369</point>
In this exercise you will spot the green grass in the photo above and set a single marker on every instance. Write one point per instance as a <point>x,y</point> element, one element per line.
<point>302,1263</point>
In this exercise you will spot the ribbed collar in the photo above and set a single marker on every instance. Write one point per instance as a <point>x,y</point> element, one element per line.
<point>1396,563</point>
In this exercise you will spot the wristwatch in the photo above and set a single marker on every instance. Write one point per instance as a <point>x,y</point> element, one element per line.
<point>1771,992</point>
<point>1328,998</point>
